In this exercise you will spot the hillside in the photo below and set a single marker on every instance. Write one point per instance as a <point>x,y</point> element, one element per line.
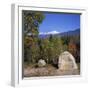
<point>69,33</point>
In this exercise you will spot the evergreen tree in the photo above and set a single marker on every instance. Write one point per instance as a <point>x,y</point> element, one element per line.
<point>31,22</point>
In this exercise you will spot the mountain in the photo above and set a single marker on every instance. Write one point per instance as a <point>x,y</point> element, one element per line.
<point>69,33</point>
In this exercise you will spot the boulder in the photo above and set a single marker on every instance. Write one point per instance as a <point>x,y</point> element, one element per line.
<point>41,63</point>
<point>67,61</point>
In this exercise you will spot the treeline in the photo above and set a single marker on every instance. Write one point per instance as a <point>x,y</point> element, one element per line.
<point>50,48</point>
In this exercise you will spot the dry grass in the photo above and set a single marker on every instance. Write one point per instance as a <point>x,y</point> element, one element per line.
<point>31,70</point>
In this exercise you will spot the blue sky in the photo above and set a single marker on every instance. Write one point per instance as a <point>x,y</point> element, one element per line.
<point>59,22</point>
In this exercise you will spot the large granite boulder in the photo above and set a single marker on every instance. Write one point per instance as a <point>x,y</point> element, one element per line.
<point>67,61</point>
<point>41,63</point>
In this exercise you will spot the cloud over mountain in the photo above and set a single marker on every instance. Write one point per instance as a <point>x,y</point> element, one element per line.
<point>51,32</point>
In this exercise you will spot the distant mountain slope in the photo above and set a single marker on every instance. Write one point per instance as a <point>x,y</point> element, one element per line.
<point>69,33</point>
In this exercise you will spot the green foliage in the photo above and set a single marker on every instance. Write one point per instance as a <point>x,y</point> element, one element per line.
<point>31,24</point>
<point>50,48</point>
<point>55,47</point>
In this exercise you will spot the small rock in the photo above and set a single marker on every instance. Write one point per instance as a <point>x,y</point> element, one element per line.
<point>41,63</point>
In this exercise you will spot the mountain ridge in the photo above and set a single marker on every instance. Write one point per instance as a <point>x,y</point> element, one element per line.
<point>69,33</point>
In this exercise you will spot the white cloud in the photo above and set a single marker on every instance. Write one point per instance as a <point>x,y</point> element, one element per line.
<point>52,32</point>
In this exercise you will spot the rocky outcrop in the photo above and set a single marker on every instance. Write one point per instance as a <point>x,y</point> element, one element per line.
<point>67,61</point>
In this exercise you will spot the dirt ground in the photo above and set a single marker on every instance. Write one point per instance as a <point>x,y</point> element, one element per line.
<point>49,70</point>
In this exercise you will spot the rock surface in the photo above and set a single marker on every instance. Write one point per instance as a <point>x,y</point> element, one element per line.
<point>41,63</point>
<point>67,61</point>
